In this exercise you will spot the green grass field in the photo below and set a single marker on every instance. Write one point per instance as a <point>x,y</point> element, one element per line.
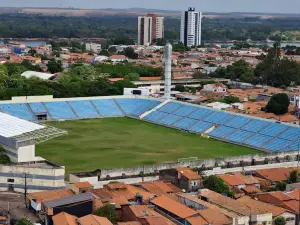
<point>124,142</point>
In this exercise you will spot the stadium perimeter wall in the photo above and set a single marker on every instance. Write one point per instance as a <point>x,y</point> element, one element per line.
<point>201,164</point>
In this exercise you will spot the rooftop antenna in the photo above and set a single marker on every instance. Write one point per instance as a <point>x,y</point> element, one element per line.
<point>168,70</point>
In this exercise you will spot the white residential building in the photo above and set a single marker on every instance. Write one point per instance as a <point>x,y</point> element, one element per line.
<point>93,47</point>
<point>219,88</point>
<point>150,27</point>
<point>190,31</point>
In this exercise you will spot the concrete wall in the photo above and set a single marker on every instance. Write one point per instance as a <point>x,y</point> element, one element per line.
<point>21,154</point>
<point>199,164</point>
<point>39,177</point>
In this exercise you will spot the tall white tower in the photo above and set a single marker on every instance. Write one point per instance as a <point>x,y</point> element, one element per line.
<point>168,70</point>
<point>190,30</point>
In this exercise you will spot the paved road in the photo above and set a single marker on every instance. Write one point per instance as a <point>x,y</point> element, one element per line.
<point>15,203</point>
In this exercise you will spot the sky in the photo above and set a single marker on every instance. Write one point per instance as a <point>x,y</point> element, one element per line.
<point>270,6</point>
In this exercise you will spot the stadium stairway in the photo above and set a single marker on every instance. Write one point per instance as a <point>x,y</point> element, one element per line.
<point>154,109</point>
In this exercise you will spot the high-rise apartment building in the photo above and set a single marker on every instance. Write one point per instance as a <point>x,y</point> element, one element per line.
<point>190,30</point>
<point>150,27</point>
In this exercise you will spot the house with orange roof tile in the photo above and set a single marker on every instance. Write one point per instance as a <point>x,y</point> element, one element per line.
<point>81,187</point>
<point>64,218</point>
<point>185,178</point>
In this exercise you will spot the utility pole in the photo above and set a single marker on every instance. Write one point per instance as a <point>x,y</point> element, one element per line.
<point>25,190</point>
<point>8,214</point>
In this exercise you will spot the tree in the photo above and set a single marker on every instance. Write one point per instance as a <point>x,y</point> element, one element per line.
<point>279,220</point>
<point>123,40</point>
<point>24,221</point>
<point>54,66</point>
<point>112,50</point>
<point>32,52</point>
<point>84,71</point>
<point>121,84</point>
<point>281,186</point>
<point>6,41</point>
<point>104,52</point>
<point>293,178</point>
<point>278,104</point>
<point>4,159</point>
<point>216,184</point>
<point>14,69</point>
<point>179,87</point>
<point>132,76</point>
<point>108,211</point>
<point>160,42</point>
<point>230,99</point>
<point>3,71</point>
<point>130,53</point>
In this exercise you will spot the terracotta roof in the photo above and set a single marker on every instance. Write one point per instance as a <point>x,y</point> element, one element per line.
<point>51,195</point>
<point>119,201</point>
<point>134,190</point>
<point>188,173</point>
<point>231,179</point>
<point>116,186</point>
<point>159,187</point>
<point>292,205</point>
<point>64,219</point>
<point>288,118</point>
<point>154,220</point>
<point>280,195</point>
<point>129,223</point>
<point>251,189</point>
<point>210,216</point>
<point>295,194</point>
<point>275,174</point>
<point>225,202</point>
<point>118,57</point>
<point>261,206</point>
<point>84,184</point>
<point>140,211</point>
<point>115,79</point>
<point>174,207</point>
<point>196,220</point>
<point>149,78</point>
<point>94,220</point>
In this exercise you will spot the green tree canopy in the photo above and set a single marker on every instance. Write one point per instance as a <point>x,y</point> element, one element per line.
<point>179,87</point>
<point>293,178</point>
<point>108,211</point>
<point>132,76</point>
<point>230,99</point>
<point>216,184</point>
<point>278,104</point>
<point>54,66</point>
<point>279,220</point>
<point>24,221</point>
<point>130,53</point>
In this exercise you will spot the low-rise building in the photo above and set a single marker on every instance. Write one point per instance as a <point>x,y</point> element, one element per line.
<point>81,187</point>
<point>218,87</point>
<point>93,47</point>
<point>184,178</point>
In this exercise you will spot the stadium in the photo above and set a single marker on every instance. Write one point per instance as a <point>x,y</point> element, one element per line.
<point>91,133</point>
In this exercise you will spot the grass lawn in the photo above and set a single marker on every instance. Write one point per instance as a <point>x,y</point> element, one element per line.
<point>124,142</point>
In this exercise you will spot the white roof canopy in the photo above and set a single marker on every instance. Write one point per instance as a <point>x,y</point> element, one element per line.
<point>12,126</point>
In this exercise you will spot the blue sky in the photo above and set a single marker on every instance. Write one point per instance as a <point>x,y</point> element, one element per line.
<point>276,6</point>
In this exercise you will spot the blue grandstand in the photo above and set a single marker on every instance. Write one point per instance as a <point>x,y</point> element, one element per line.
<point>235,128</point>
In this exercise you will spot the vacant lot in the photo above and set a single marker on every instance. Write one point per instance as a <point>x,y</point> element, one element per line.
<point>125,142</point>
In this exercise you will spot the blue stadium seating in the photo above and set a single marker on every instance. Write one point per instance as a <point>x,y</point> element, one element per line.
<point>169,119</point>
<point>256,125</point>
<point>274,129</point>
<point>37,107</point>
<point>60,110</point>
<point>257,140</point>
<point>107,108</point>
<point>136,107</point>
<point>156,116</point>
<point>185,110</point>
<point>185,123</point>
<point>237,121</point>
<point>170,107</point>
<point>200,113</point>
<point>277,144</point>
<point>18,110</point>
<point>293,134</point>
<point>200,127</point>
<point>239,136</point>
<point>221,132</point>
<point>217,117</point>
<point>294,146</point>
<point>84,109</point>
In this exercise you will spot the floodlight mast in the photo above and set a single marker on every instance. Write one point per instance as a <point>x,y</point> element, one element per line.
<point>168,70</point>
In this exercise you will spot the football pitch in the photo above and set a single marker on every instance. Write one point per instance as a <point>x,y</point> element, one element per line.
<point>125,142</point>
